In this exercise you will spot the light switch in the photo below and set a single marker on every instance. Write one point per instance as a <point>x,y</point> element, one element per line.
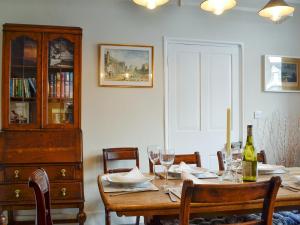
<point>258,114</point>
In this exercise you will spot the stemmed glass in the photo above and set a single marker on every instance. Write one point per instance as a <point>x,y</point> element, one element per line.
<point>166,158</point>
<point>153,154</point>
<point>236,165</point>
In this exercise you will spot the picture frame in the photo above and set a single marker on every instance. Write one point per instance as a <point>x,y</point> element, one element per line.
<point>125,65</point>
<point>281,74</point>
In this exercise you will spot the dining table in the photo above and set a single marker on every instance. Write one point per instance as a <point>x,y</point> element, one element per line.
<point>152,203</point>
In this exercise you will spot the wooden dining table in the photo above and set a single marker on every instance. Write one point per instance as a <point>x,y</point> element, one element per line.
<point>153,203</point>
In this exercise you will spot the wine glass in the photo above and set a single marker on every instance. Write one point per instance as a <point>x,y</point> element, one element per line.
<point>166,158</point>
<point>236,165</point>
<point>153,154</point>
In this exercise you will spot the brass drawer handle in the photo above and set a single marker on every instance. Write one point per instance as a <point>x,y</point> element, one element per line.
<point>63,172</point>
<point>63,192</point>
<point>17,192</point>
<point>17,172</point>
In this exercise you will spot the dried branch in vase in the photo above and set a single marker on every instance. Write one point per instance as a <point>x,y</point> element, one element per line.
<point>279,136</point>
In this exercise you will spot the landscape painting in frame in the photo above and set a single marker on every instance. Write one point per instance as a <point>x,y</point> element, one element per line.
<point>282,74</point>
<point>126,65</point>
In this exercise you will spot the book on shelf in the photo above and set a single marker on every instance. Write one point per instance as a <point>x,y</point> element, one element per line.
<point>22,87</point>
<point>71,85</point>
<point>60,85</point>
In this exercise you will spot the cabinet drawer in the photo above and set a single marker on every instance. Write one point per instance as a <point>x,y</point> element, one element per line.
<point>57,172</point>
<point>68,191</point>
<point>58,191</point>
<point>16,193</point>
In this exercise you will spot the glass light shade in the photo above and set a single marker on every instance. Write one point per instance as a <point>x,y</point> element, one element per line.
<point>150,4</point>
<point>276,10</point>
<point>217,6</point>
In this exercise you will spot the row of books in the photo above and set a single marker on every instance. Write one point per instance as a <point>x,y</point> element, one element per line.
<point>23,87</point>
<point>60,85</point>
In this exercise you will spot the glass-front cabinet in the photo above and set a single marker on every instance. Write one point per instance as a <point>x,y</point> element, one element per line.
<point>21,80</point>
<point>61,81</point>
<point>41,75</point>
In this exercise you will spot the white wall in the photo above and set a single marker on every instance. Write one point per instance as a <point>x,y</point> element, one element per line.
<point>135,116</point>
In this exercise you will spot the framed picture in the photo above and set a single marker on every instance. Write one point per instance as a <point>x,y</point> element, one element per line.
<point>281,74</point>
<point>125,65</point>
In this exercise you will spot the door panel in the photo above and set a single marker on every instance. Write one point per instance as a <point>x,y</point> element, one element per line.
<point>203,81</point>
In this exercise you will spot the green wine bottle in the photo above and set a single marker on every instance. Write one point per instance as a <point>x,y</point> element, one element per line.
<point>249,158</point>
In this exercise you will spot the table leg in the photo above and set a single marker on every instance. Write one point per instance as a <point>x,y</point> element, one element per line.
<point>107,217</point>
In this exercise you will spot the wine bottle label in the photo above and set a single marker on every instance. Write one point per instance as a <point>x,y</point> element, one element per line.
<point>249,170</point>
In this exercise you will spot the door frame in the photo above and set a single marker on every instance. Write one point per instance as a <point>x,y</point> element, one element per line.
<point>188,41</point>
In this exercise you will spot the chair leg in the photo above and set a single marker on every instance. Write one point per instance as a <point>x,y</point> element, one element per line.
<point>107,217</point>
<point>137,222</point>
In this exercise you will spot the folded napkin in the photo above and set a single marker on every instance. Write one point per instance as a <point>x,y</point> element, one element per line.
<point>180,168</point>
<point>134,175</point>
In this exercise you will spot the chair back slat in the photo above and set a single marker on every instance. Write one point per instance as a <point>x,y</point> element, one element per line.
<point>233,193</point>
<point>39,181</point>
<point>114,154</point>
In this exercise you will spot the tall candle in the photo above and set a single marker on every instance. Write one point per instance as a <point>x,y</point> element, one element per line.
<point>228,142</point>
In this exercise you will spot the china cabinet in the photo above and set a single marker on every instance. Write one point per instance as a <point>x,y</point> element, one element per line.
<point>41,76</point>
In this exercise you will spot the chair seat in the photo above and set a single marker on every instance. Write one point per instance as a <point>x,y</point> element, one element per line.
<point>280,218</point>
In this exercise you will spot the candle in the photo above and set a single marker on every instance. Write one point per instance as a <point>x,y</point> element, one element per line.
<point>228,142</point>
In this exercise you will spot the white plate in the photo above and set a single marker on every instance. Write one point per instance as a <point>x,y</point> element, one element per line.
<point>267,168</point>
<point>119,178</point>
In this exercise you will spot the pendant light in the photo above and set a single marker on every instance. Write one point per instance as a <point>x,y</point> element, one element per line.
<point>150,4</point>
<point>217,6</point>
<point>276,10</point>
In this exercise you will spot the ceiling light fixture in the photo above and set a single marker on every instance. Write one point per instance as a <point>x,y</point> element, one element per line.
<point>150,4</point>
<point>217,6</point>
<point>276,10</point>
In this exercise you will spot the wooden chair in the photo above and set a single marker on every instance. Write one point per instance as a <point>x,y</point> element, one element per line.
<point>187,158</point>
<point>39,181</point>
<point>115,154</point>
<point>222,193</point>
<point>261,157</point>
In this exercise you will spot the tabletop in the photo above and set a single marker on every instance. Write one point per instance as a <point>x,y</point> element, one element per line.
<point>158,202</point>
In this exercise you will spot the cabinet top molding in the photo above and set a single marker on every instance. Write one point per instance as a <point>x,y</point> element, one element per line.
<point>41,28</point>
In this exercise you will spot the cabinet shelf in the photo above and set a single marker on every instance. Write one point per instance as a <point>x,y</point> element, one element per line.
<point>21,99</point>
<point>24,66</point>
<point>51,99</point>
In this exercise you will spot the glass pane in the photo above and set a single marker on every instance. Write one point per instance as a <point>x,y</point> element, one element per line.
<point>23,74</point>
<point>60,82</point>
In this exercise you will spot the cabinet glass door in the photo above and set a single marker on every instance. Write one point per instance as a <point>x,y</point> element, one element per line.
<point>23,80</point>
<point>60,93</point>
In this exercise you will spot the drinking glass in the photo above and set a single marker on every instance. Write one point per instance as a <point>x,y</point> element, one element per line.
<point>153,154</point>
<point>236,166</point>
<point>166,158</point>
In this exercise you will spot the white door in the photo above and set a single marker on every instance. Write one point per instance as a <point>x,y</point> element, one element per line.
<point>202,81</point>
